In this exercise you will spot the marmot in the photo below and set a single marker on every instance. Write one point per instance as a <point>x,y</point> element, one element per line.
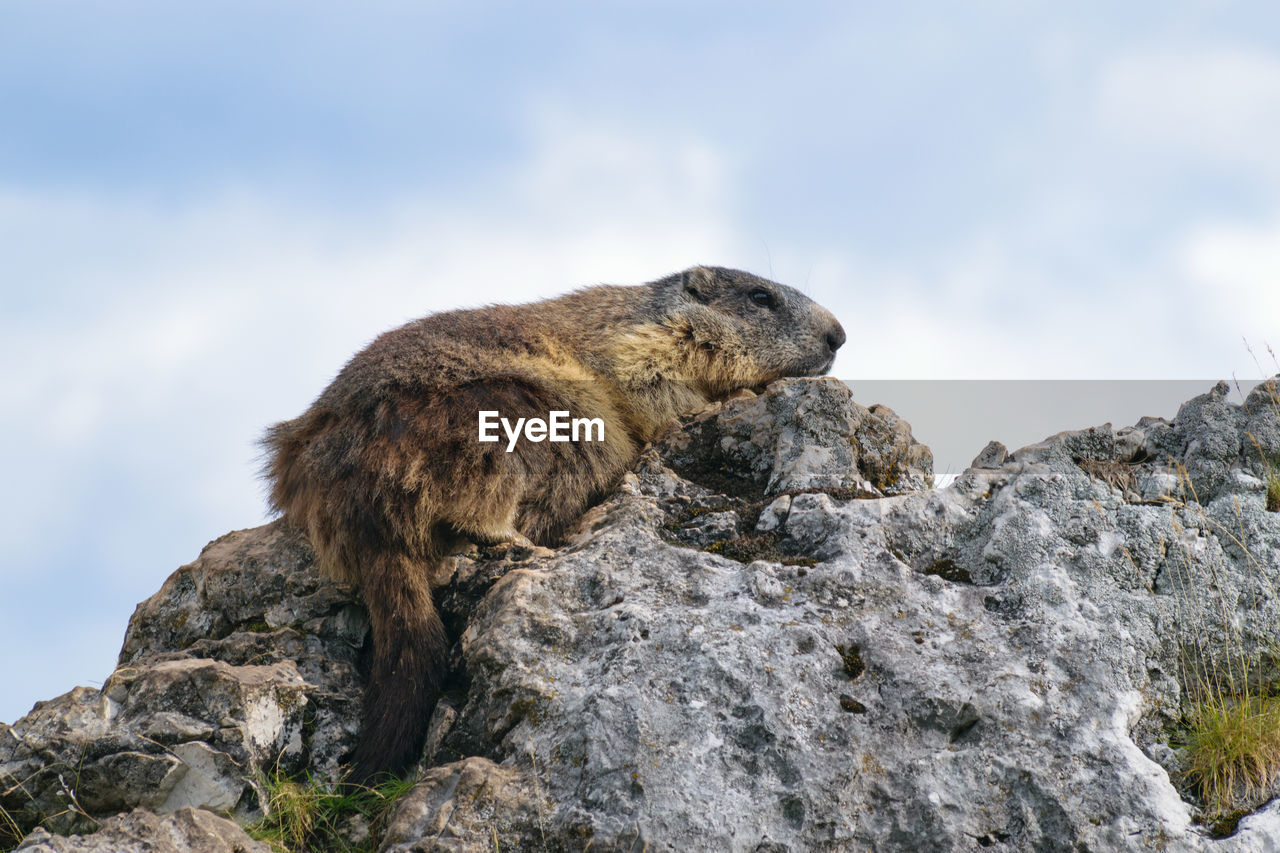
<point>386,473</point>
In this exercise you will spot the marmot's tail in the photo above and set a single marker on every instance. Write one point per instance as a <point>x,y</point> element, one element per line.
<point>410,657</point>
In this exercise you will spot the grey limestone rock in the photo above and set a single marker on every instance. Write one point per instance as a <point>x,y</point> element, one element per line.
<point>464,806</point>
<point>800,434</point>
<point>244,662</point>
<point>770,637</point>
<point>991,456</point>
<point>186,830</point>
<point>992,666</point>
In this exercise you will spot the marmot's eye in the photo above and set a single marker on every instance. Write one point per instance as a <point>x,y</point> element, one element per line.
<point>762,297</point>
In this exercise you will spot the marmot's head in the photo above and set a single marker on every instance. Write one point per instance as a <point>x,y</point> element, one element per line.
<point>756,330</point>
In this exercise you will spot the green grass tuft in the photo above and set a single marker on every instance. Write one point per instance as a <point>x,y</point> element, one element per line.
<point>1232,749</point>
<point>1273,491</point>
<point>308,815</point>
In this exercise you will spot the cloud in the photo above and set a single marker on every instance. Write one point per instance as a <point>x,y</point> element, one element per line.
<point>1239,264</point>
<point>1216,103</point>
<point>241,307</point>
<point>989,309</point>
<point>153,342</point>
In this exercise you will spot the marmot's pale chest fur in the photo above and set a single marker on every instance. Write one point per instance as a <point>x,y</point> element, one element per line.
<point>386,473</point>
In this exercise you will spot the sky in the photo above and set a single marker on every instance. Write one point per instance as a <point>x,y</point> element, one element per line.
<point>206,209</point>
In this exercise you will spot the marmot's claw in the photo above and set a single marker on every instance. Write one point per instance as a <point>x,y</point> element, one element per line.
<point>522,548</point>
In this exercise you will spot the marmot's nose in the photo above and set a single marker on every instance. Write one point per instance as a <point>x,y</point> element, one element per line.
<point>835,337</point>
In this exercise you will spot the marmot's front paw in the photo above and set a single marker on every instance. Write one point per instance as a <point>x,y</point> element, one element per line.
<point>521,548</point>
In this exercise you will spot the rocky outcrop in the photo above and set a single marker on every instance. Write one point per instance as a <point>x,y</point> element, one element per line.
<point>773,636</point>
<point>186,830</point>
<point>241,664</point>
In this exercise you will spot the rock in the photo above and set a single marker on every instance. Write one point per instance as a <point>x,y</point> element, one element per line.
<point>991,456</point>
<point>1210,437</point>
<point>210,696</point>
<point>1261,426</point>
<point>981,667</point>
<point>188,732</point>
<point>709,528</point>
<point>800,435</point>
<point>773,516</point>
<point>186,830</point>
<point>255,597</point>
<point>745,647</point>
<point>469,805</point>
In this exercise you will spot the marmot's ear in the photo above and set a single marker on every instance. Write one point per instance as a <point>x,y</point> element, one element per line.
<point>697,283</point>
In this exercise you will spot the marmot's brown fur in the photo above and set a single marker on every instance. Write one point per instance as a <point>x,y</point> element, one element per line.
<point>387,475</point>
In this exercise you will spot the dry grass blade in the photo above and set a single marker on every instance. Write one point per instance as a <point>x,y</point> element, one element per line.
<point>10,832</point>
